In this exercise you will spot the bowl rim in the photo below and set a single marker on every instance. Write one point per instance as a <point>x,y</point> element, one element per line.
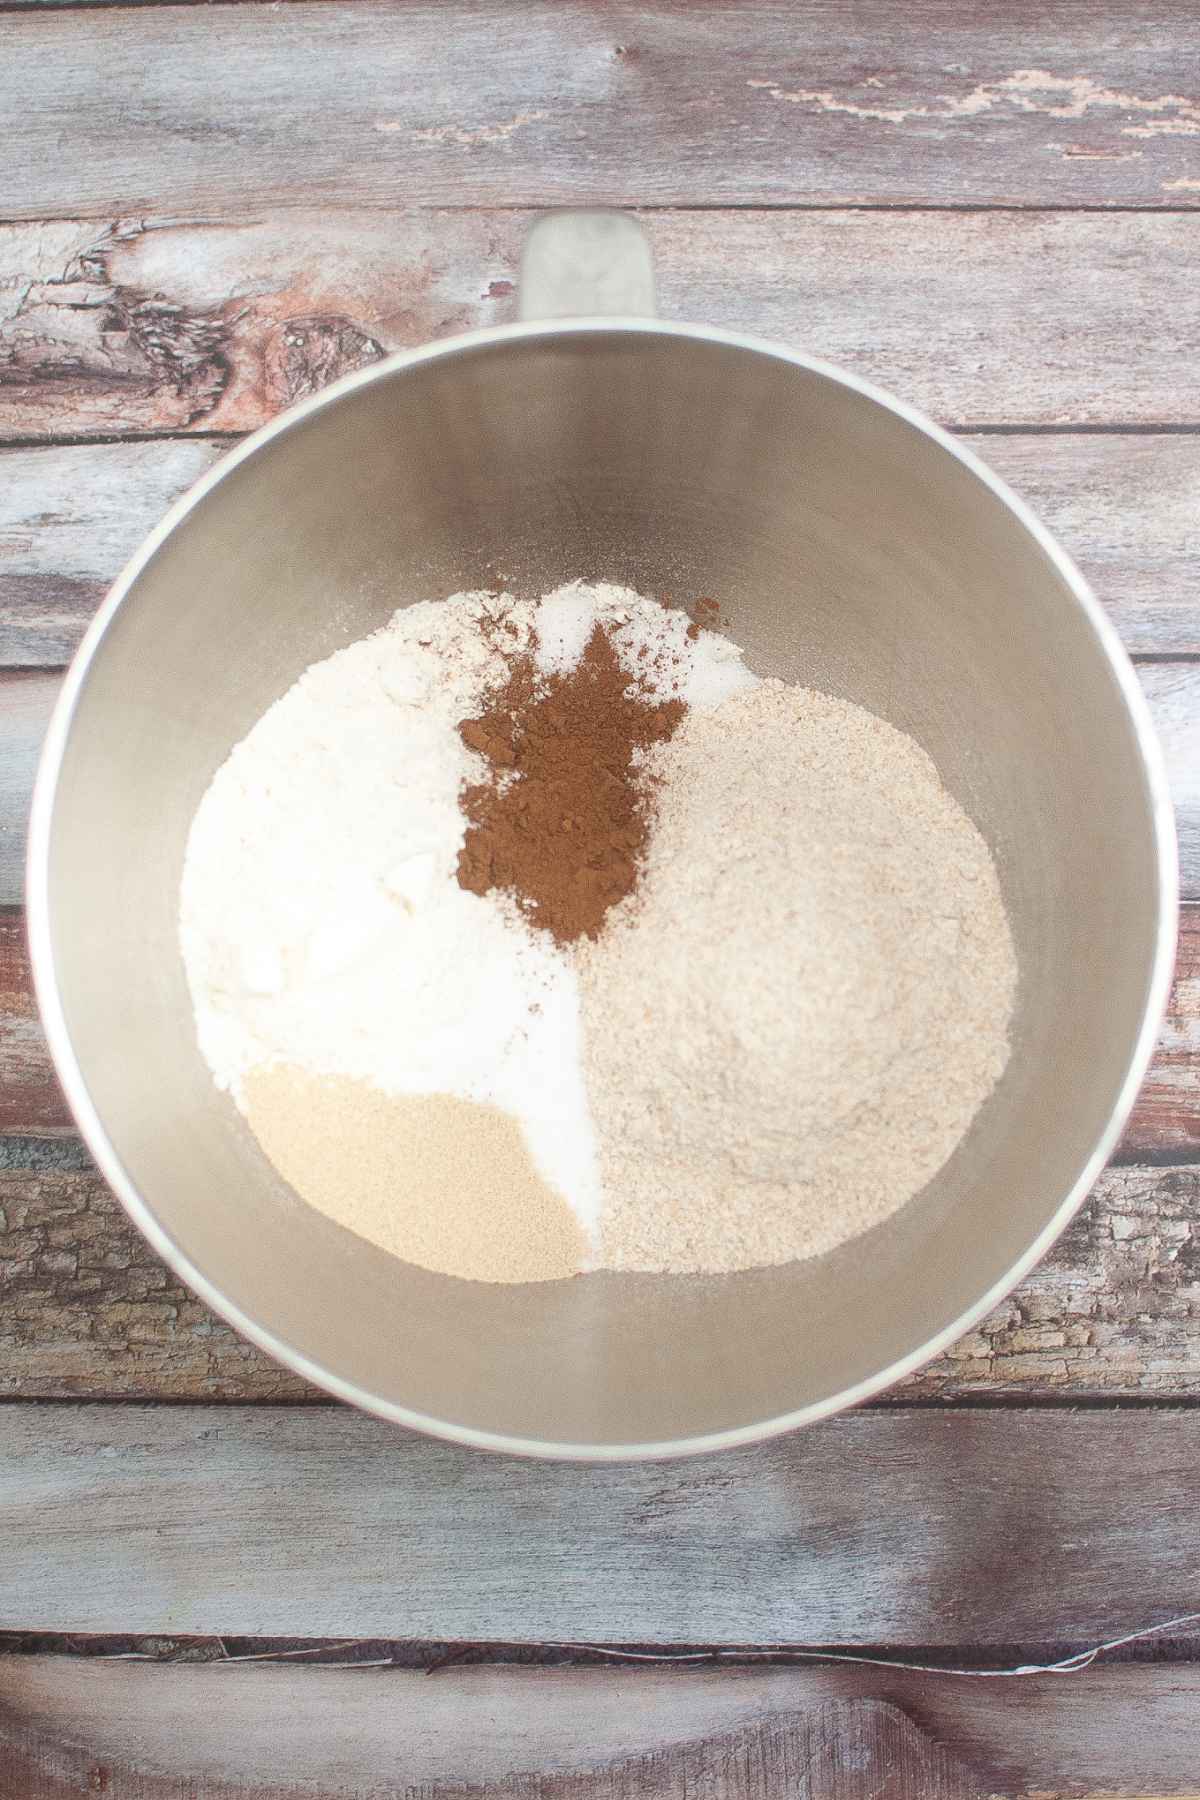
<point>70,1072</point>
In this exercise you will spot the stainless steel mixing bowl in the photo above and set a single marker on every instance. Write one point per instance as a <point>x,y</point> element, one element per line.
<point>855,548</point>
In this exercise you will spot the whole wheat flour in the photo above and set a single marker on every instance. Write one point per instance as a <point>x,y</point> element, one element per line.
<point>791,1023</point>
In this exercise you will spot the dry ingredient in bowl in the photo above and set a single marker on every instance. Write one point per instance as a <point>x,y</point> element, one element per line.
<point>533,937</point>
<point>323,923</point>
<point>790,1027</point>
<point>560,822</point>
<point>402,1169</point>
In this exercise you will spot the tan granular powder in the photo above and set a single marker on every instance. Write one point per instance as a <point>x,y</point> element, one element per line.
<point>791,1023</point>
<point>439,1181</point>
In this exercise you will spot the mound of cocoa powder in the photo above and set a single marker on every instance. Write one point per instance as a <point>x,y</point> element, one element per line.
<point>562,820</point>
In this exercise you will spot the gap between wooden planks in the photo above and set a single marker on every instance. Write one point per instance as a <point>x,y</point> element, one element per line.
<point>585,1734</point>
<point>223,106</point>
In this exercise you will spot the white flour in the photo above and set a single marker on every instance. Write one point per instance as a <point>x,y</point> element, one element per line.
<point>321,922</point>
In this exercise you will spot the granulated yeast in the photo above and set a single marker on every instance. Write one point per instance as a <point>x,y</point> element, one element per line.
<point>789,1027</point>
<point>562,821</point>
<point>442,1182</point>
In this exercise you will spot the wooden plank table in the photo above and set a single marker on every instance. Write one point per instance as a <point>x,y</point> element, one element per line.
<point>212,1580</point>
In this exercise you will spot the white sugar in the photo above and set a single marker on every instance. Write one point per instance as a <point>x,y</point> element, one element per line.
<point>658,646</point>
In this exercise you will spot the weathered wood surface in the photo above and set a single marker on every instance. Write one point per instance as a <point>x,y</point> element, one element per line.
<point>1164,1124</point>
<point>26,698</point>
<point>25,702</point>
<point>1042,318</point>
<point>672,103</point>
<point>1125,504</point>
<point>1114,1309</point>
<point>963,1527</point>
<point>571,1734</point>
<point>840,1750</point>
<point>88,1311</point>
<point>1165,1121</point>
<point>30,1097</point>
<point>1173,690</point>
<point>71,516</point>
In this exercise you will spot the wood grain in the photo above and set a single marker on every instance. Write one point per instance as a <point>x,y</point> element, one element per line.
<point>204,109</point>
<point>1125,505</point>
<point>30,1097</point>
<point>26,698</point>
<point>1041,318</point>
<point>70,517</point>
<point>1165,1121</point>
<point>1113,1310</point>
<point>88,1311</point>
<point>1172,688</point>
<point>960,1527</point>
<point>837,1751</point>
<point>1164,1124</point>
<point>542,1734</point>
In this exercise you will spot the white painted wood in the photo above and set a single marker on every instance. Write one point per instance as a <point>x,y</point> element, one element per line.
<point>537,101</point>
<point>926,1527</point>
<point>1133,1730</point>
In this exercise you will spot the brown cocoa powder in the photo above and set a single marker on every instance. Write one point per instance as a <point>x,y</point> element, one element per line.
<point>562,822</point>
<point>705,615</point>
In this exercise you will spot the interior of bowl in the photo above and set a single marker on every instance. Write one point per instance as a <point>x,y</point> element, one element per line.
<point>849,551</point>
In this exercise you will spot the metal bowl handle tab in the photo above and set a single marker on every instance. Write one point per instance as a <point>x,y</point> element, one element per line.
<point>586,263</point>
